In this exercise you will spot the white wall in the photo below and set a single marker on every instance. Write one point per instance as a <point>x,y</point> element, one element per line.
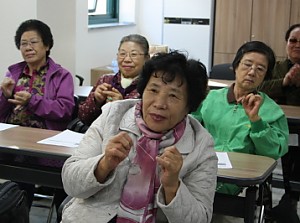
<point>150,19</point>
<point>62,21</point>
<point>12,12</point>
<point>76,47</point>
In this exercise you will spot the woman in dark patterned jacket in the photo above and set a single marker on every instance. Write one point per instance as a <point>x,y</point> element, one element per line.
<point>133,52</point>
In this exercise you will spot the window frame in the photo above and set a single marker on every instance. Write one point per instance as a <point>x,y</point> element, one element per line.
<point>112,16</point>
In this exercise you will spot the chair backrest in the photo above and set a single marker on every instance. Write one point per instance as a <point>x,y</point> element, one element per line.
<point>80,78</point>
<point>222,72</point>
<point>75,124</point>
<point>75,111</point>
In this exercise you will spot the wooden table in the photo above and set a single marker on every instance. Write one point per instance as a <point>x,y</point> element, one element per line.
<point>248,170</point>
<point>23,141</point>
<point>251,172</point>
<point>292,113</point>
<point>293,117</point>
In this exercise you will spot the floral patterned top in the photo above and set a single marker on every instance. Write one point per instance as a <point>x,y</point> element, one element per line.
<point>89,111</point>
<point>35,85</point>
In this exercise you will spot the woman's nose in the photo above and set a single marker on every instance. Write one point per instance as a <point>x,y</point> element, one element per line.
<point>160,102</point>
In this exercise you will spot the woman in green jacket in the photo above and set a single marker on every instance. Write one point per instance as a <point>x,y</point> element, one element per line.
<point>240,118</point>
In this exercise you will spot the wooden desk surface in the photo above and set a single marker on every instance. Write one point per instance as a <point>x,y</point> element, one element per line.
<point>292,113</point>
<point>247,169</point>
<point>23,140</point>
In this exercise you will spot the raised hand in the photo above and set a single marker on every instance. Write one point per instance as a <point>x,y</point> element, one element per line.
<point>117,149</point>
<point>7,87</point>
<point>170,163</point>
<point>251,104</point>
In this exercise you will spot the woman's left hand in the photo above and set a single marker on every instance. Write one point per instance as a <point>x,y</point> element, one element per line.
<point>170,163</point>
<point>21,98</point>
<point>251,104</point>
<point>113,95</point>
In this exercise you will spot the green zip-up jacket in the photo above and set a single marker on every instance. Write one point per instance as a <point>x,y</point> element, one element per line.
<point>232,130</point>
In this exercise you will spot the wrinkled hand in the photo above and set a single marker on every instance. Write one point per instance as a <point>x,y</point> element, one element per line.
<point>117,149</point>
<point>170,163</point>
<point>293,76</point>
<point>21,98</point>
<point>7,87</point>
<point>251,104</point>
<point>99,94</point>
<point>113,95</point>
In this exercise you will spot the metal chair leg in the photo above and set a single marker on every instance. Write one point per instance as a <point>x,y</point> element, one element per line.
<point>51,210</point>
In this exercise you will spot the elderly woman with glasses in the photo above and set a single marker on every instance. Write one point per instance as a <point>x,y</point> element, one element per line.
<point>242,119</point>
<point>284,88</point>
<point>133,52</point>
<point>37,92</point>
<point>146,160</point>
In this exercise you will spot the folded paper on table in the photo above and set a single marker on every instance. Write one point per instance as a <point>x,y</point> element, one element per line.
<point>223,160</point>
<point>4,126</point>
<point>66,138</point>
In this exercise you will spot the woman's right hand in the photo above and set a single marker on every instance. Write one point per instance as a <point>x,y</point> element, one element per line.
<point>293,76</point>
<point>117,149</point>
<point>7,87</point>
<point>99,94</point>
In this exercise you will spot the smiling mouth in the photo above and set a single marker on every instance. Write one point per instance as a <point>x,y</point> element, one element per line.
<point>127,67</point>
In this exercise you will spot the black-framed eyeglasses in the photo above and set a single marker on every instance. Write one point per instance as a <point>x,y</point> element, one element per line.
<point>132,55</point>
<point>293,40</point>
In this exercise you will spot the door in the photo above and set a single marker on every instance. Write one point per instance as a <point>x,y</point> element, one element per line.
<point>295,12</point>
<point>237,22</point>
<point>270,22</point>
<point>232,28</point>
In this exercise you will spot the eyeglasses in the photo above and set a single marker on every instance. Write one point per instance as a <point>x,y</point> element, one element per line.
<point>132,55</point>
<point>31,43</point>
<point>293,40</point>
<point>260,70</point>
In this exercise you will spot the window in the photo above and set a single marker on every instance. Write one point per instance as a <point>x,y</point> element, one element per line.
<point>103,11</point>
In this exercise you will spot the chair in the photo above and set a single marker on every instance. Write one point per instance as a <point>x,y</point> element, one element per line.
<point>61,207</point>
<point>80,78</point>
<point>76,124</point>
<point>222,71</point>
<point>290,179</point>
<point>256,198</point>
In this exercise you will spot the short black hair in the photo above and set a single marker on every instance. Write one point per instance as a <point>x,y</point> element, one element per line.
<point>174,64</point>
<point>288,32</point>
<point>41,28</point>
<point>257,47</point>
